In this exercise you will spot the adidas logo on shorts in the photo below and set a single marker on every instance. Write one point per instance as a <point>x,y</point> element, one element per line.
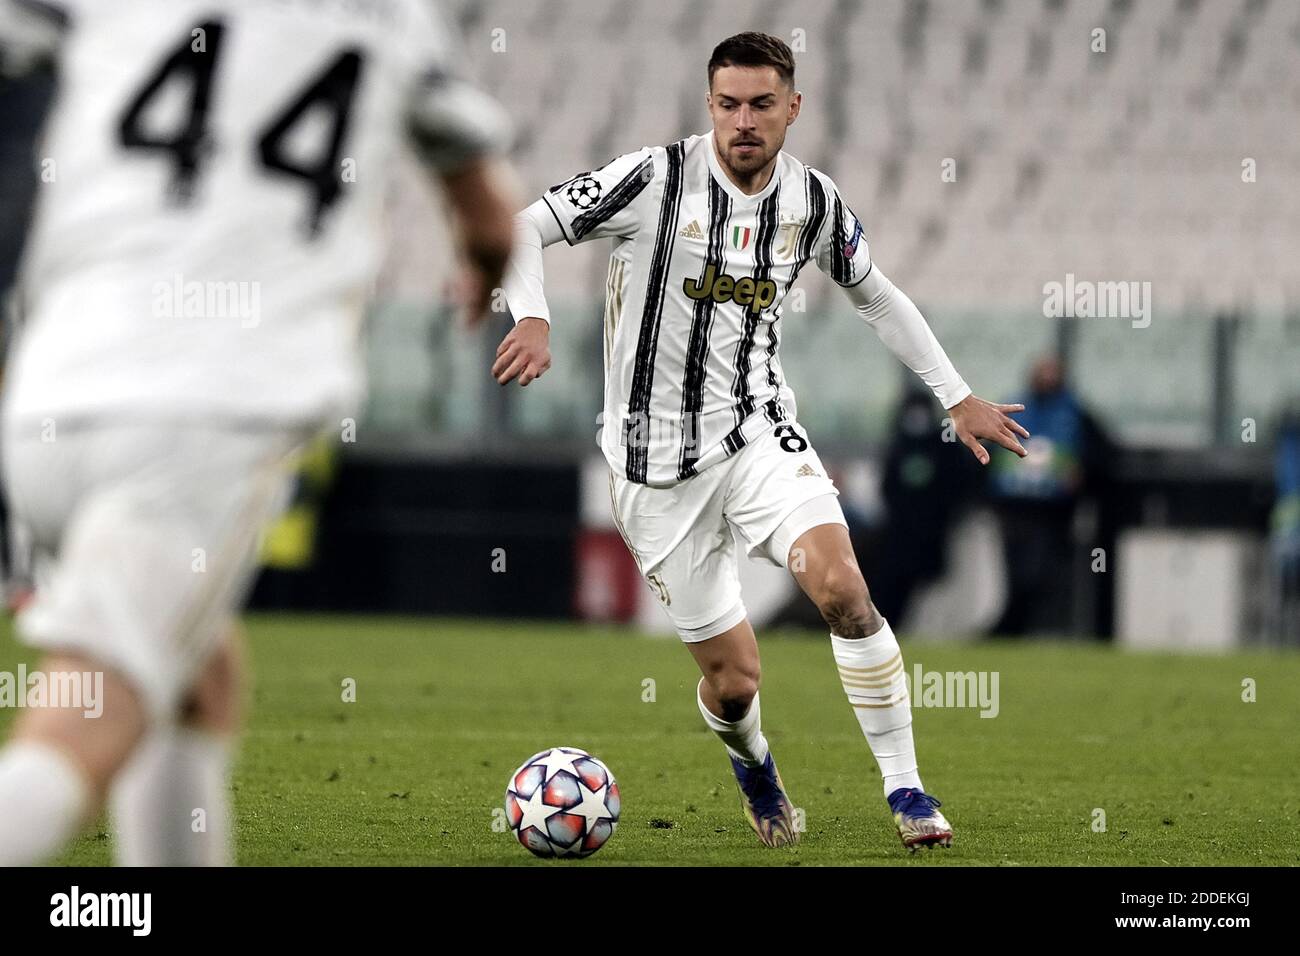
<point>806,471</point>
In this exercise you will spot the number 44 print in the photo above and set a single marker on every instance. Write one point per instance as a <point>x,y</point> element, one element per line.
<point>334,88</point>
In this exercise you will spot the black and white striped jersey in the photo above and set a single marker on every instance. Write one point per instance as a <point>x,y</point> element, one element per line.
<point>693,297</point>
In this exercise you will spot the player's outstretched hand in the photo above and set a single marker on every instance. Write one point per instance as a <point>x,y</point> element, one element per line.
<point>525,352</point>
<point>973,419</point>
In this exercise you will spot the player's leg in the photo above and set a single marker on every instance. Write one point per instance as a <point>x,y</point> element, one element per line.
<point>866,651</point>
<point>728,698</point>
<point>730,665</point>
<point>157,553</point>
<point>57,766</point>
<point>871,669</point>
<point>171,803</point>
<point>686,552</point>
<point>727,694</point>
<point>786,508</point>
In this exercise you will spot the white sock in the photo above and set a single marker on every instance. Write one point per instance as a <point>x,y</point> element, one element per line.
<point>871,669</point>
<point>743,738</point>
<point>45,800</point>
<point>171,803</point>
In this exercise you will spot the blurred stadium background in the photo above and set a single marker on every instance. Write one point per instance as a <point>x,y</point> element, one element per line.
<point>990,148</point>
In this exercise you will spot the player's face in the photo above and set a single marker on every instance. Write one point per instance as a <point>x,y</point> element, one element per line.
<point>751,107</point>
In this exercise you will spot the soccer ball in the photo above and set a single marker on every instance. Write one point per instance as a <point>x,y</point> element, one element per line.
<point>583,193</point>
<point>562,802</point>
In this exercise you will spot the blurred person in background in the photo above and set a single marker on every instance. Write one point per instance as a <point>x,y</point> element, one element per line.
<point>191,301</point>
<point>1285,528</point>
<point>925,484</point>
<point>1036,498</point>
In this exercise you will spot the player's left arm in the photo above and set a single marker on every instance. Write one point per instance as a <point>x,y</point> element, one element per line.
<point>481,195</point>
<point>904,331</point>
<point>461,134</point>
<point>844,256</point>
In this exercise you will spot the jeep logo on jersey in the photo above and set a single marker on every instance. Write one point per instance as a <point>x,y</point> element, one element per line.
<point>755,294</point>
<point>740,237</point>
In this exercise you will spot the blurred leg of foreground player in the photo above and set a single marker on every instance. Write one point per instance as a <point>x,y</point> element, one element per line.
<point>170,803</point>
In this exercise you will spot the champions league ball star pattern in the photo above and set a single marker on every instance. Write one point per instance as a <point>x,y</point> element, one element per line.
<point>583,192</point>
<point>562,802</point>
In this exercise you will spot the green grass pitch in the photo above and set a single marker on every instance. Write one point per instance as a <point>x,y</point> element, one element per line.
<point>410,773</point>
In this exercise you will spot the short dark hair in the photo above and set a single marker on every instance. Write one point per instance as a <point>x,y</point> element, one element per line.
<point>753,49</point>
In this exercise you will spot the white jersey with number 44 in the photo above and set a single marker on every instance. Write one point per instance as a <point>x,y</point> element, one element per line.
<point>208,225</point>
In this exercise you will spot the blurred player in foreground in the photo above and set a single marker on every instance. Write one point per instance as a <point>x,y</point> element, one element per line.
<point>699,427</point>
<point>191,301</point>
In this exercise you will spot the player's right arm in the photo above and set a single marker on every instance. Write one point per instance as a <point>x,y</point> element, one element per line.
<point>602,204</point>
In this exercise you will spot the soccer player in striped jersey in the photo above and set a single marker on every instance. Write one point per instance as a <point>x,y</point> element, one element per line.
<point>192,295</point>
<point>708,236</point>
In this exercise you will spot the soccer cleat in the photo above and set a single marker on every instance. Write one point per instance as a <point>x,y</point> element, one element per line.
<point>919,821</point>
<point>762,797</point>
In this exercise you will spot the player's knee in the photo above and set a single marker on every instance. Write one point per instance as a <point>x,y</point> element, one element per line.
<point>842,590</point>
<point>736,702</point>
<point>845,603</point>
<point>736,689</point>
<point>214,702</point>
<point>98,732</point>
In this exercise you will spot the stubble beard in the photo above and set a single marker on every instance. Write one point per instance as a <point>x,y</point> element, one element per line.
<point>746,167</point>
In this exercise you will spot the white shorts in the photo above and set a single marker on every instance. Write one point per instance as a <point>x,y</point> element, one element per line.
<point>771,491</point>
<point>146,538</point>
